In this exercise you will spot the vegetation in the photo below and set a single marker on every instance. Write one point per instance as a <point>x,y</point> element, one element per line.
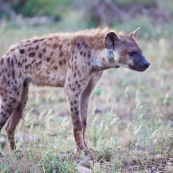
<point>130,118</point>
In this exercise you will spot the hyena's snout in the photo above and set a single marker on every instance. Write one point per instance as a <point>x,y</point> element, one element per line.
<point>139,63</point>
<point>145,64</point>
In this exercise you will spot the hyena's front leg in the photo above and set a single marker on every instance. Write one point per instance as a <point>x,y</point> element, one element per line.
<point>85,99</point>
<point>76,118</point>
<point>73,88</point>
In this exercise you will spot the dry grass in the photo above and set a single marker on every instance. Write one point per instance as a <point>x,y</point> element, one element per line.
<point>130,119</point>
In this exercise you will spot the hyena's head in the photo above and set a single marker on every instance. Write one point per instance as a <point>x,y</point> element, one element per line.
<point>125,50</point>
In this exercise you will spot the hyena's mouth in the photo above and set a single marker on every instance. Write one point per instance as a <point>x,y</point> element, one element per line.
<point>137,68</point>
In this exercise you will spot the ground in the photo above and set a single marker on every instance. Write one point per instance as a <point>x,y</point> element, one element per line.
<point>130,118</point>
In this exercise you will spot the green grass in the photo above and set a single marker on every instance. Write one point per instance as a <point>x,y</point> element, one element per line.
<point>130,118</point>
<point>41,7</point>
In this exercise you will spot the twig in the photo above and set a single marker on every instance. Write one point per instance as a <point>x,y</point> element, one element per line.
<point>130,156</point>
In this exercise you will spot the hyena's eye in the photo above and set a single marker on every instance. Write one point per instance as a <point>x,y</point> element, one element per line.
<point>133,53</point>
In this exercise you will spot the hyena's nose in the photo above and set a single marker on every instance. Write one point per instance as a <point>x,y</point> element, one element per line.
<point>146,64</point>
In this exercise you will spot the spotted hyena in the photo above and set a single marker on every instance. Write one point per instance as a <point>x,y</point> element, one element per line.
<point>74,61</point>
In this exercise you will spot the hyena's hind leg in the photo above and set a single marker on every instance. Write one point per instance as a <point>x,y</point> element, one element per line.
<point>9,99</point>
<point>6,110</point>
<point>17,115</point>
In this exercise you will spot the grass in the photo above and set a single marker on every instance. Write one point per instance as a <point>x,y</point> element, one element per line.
<point>130,118</point>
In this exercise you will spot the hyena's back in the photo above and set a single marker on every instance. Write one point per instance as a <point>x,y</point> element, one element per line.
<point>45,60</point>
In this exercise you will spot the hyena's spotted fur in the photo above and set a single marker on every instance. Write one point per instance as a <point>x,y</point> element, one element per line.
<point>74,61</point>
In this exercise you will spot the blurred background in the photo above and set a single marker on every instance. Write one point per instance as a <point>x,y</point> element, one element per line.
<point>76,14</point>
<point>129,111</point>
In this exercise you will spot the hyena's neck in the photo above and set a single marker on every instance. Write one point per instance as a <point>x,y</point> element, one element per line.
<point>104,59</point>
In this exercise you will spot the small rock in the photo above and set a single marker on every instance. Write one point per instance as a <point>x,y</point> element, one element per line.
<point>3,140</point>
<point>81,169</point>
<point>159,156</point>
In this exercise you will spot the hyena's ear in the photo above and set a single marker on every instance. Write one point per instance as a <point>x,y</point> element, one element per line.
<point>110,40</point>
<point>135,33</point>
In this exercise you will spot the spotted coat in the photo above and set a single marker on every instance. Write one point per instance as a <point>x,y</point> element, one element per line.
<point>74,61</point>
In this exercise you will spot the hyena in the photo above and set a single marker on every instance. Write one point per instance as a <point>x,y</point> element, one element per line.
<point>75,61</point>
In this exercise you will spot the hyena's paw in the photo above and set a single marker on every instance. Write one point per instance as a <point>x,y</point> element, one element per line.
<point>18,154</point>
<point>89,153</point>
